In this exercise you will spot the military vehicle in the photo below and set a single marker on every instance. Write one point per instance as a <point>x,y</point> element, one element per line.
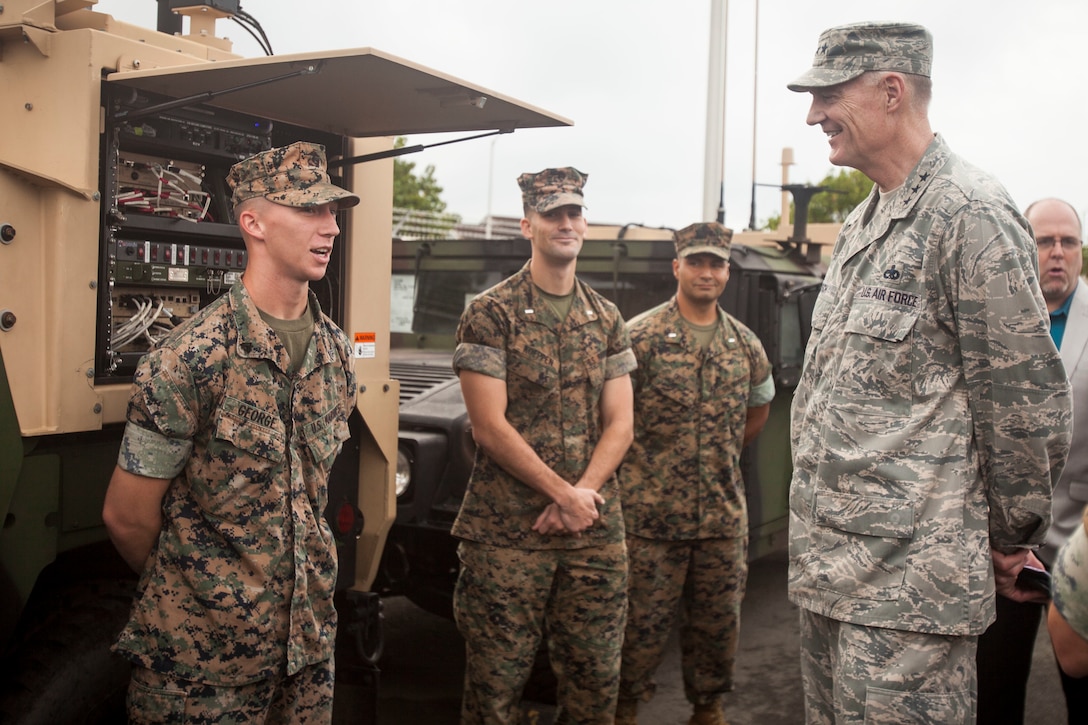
<point>115,227</point>
<point>772,289</point>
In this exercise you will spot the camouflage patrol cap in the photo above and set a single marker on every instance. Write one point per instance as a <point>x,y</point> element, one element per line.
<point>703,238</point>
<point>290,175</point>
<point>845,52</point>
<point>552,188</point>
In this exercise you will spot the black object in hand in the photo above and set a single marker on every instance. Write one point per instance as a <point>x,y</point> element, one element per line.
<point>1032,578</point>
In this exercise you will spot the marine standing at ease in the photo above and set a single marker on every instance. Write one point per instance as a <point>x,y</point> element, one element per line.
<point>703,389</point>
<point>544,365</point>
<point>932,417</point>
<point>221,482</point>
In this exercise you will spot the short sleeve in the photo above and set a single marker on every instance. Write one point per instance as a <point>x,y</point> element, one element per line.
<point>762,393</point>
<point>149,453</point>
<point>621,358</point>
<point>162,417</point>
<point>481,341</point>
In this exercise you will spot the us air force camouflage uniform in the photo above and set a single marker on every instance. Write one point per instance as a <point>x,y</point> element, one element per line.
<point>684,506</point>
<point>930,423</point>
<point>237,593</point>
<point>932,416</point>
<point>515,582</point>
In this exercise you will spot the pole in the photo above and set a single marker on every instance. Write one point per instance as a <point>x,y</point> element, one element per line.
<point>490,184</point>
<point>787,162</point>
<point>755,124</point>
<point>714,151</point>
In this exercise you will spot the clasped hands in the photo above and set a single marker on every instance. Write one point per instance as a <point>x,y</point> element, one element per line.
<point>573,516</point>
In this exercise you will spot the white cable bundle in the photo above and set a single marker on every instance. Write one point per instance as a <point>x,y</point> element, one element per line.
<point>137,325</point>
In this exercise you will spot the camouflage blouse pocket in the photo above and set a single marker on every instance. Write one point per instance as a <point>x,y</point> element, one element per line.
<point>595,371</point>
<point>862,542</point>
<point>530,378</point>
<point>877,371</point>
<point>325,437</point>
<point>821,310</point>
<point>668,387</point>
<point>248,439</point>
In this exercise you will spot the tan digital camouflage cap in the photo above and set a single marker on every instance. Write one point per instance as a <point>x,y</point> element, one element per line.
<point>290,175</point>
<point>845,52</point>
<point>703,238</point>
<point>552,188</point>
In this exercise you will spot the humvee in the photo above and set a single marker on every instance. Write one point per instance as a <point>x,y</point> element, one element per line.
<point>772,288</point>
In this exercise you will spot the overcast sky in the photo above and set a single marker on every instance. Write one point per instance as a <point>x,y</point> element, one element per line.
<point>1009,90</point>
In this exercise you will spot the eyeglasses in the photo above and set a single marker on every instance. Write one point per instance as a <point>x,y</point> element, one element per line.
<point>1068,243</point>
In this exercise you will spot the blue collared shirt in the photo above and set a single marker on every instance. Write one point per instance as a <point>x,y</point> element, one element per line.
<point>1058,318</point>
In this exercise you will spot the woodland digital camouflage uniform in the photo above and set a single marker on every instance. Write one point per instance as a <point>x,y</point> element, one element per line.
<point>681,477</point>
<point>703,238</point>
<point>684,504</point>
<point>555,371</point>
<point>291,175</point>
<point>1070,582</point>
<point>303,698</point>
<point>552,188</point>
<point>239,587</point>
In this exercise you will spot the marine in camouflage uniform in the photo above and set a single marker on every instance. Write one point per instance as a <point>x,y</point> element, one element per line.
<point>1068,618</point>
<point>701,392</point>
<point>552,383</point>
<point>234,618</point>
<point>932,417</point>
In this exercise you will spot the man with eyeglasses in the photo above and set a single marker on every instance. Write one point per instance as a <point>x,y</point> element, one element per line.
<point>1005,650</point>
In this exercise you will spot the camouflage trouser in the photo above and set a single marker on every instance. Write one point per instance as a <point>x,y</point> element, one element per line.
<point>304,698</point>
<point>506,598</point>
<point>857,675</point>
<point>705,579</point>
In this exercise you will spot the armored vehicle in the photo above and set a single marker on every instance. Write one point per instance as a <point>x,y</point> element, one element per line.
<point>115,227</point>
<point>772,288</point>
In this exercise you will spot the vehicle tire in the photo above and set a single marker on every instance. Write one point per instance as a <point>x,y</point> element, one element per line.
<point>62,671</point>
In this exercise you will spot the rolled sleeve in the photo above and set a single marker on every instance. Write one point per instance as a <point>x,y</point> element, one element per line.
<point>761,394</point>
<point>149,453</point>
<point>481,359</point>
<point>620,364</point>
<point>162,418</point>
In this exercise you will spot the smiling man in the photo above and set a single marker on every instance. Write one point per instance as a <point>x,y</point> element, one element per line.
<point>932,417</point>
<point>703,390</point>
<point>544,365</point>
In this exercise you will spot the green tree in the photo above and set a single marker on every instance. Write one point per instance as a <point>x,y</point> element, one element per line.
<point>415,191</point>
<point>850,188</point>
